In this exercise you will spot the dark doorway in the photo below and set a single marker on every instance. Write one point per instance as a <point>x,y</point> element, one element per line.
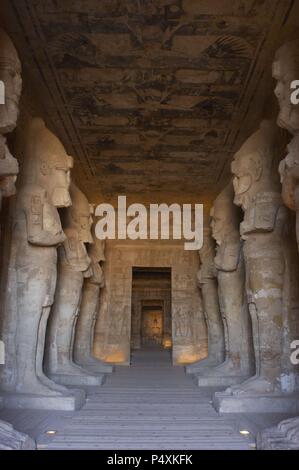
<point>151,308</point>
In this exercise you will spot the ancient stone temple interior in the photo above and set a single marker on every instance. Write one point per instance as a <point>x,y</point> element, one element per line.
<point>137,116</point>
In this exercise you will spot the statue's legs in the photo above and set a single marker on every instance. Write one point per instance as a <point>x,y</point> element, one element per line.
<point>42,332</point>
<point>84,331</point>
<point>40,353</point>
<point>265,266</point>
<point>89,303</point>
<point>216,334</point>
<point>215,329</point>
<point>233,309</point>
<point>256,346</point>
<point>61,325</point>
<point>32,290</point>
<point>256,337</point>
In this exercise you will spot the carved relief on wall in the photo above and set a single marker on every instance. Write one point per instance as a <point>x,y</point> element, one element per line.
<point>118,325</point>
<point>182,323</point>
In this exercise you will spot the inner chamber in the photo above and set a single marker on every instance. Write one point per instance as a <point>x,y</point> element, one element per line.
<point>151,326</point>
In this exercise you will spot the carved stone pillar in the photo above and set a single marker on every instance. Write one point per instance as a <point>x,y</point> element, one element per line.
<point>207,282</point>
<point>36,235</point>
<point>73,267</point>
<point>265,231</point>
<point>285,70</point>
<point>84,332</point>
<point>230,270</point>
<point>10,75</point>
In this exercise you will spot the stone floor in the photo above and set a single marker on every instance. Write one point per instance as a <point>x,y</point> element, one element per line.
<point>150,405</point>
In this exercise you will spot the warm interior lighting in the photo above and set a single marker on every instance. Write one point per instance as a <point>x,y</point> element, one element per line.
<point>51,433</point>
<point>167,343</point>
<point>244,432</point>
<point>186,358</point>
<point>117,357</point>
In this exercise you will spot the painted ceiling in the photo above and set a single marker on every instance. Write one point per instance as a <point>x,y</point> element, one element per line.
<point>150,96</point>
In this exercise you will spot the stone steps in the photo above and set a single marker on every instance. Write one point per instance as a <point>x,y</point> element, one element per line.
<point>150,405</point>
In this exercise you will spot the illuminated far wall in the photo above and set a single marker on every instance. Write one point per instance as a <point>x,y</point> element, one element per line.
<point>113,328</point>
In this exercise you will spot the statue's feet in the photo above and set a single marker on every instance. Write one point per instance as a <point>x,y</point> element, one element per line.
<point>235,388</point>
<point>91,361</point>
<point>95,365</point>
<point>35,387</point>
<point>51,384</point>
<point>72,369</point>
<point>255,384</point>
<point>201,365</point>
<point>226,369</point>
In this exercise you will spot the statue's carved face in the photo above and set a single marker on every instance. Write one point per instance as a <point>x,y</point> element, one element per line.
<point>81,214</point>
<point>48,164</point>
<point>245,172</point>
<point>10,75</point>
<point>219,221</point>
<point>284,72</point>
<point>83,222</point>
<point>56,175</point>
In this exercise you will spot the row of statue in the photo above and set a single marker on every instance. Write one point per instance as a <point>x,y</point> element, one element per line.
<point>55,273</point>
<point>249,265</point>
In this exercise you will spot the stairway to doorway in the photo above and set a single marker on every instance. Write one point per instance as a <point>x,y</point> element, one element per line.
<point>149,405</point>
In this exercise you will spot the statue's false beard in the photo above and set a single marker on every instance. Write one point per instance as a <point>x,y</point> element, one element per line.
<point>242,200</point>
<point>61,197</point>
<point>9,116</point>
<point>289,119</point>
